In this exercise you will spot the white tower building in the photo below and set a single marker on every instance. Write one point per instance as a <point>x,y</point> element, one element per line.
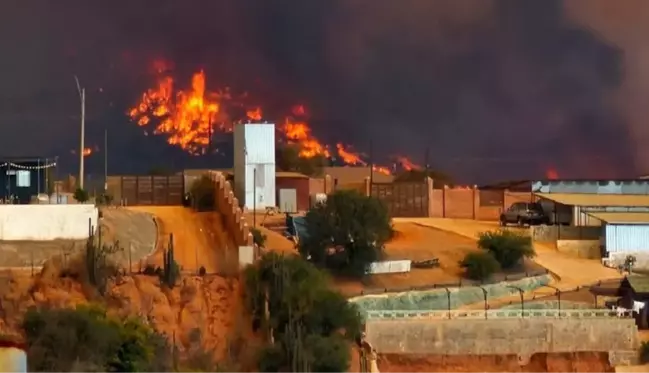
<point>254,165</point>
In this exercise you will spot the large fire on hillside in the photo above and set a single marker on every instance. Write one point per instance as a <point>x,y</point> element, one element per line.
<point>189,119</point>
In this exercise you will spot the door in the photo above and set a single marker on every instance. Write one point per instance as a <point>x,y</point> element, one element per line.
<point>288,200</point>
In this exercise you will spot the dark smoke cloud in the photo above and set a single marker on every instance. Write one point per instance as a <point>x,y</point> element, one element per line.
<point>500,89</point>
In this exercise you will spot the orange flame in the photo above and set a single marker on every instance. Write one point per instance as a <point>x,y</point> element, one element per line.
<point>86,151</point>
<point>254,114</point>
<point>300,133</point>
<point>407,164</point>
<point>382,170</point>
<point>551,174</point>
<point>348,157</point>
<point>185,117</point>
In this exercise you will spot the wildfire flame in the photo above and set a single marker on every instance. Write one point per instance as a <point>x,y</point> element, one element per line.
<point>86,151</point>
<point>189,117</point>
<point>551,174</point>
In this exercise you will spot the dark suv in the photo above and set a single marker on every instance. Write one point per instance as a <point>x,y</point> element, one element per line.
<point>523,213</point>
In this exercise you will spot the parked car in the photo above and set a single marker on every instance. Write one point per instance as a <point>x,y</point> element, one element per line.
<point>524,213</point>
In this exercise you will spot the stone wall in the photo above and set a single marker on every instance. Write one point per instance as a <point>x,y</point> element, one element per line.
<point>586,249</point>
<point>228,206</point>
<point>519,336</point>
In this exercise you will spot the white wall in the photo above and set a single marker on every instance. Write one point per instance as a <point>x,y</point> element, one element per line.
<point>254,148</point>
<point>46,222</point>
<point>390,266</point>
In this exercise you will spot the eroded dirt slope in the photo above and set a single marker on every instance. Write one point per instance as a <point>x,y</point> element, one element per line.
<point>200,238</point>
<point>200,311</point>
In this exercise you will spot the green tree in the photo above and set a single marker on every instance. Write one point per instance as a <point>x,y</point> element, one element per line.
<point>310,324</point>
<point>257,237</point>
<point>508,247</point>
<point>203,192</point>
<point>346,233</point>
<point>289,159</point>
<point>479,265</point>
<point>62,340</point>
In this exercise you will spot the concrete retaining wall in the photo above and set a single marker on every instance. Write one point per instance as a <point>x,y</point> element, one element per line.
<point>522,337</point>
<point>587,249</point>
<point>46,222</point>
<point>617,259</point>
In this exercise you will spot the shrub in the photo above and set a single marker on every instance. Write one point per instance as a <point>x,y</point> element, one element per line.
<point>644,352</point>
<point>81,195</point>
<point>61,340</point>
<point>203,193</point>
<point>257,237</point>
<point>508,247</point>
<point>479,265</point>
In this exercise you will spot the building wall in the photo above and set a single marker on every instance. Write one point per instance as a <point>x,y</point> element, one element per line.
<point>620,238</point>
<point>301,186</point>
<point>254,149</point>
<point>586,249</point>
<point>46,222</point>
<point>517,336</point>
<point>464,203</point>
<point>592,187</point>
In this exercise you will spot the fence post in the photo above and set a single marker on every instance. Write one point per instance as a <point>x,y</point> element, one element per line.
<point>475,187</point>
<point>444,187</point>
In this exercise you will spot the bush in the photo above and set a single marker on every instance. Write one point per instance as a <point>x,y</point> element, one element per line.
<point>479,265</point>
<point>644,352</point>
<point>81,195</point>
<point>63,340</point>
<point>509,248</point>
<point>257,237</point>
<point>346,233</point>
<point>203,193</point>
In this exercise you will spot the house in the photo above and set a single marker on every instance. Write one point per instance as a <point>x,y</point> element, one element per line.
<point>606,217</point>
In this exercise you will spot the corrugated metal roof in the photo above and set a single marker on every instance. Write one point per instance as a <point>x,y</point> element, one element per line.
<point>597,200</point>
<point>622,217</point>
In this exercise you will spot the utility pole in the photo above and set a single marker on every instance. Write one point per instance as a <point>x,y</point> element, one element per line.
<point>426,158</point>
<point>105,161</point>
<point>82,96</point>
<point>371,165</point>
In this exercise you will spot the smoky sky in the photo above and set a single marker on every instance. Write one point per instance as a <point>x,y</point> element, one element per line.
<point>491,90</point>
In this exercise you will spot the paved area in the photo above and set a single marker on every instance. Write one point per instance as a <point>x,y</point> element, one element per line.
<point>200,238</point>
<point>571,272</point>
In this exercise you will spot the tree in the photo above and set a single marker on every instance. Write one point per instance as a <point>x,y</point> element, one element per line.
<point>203,192</point>
<point>62,340</point>
<point>289,159</point>
<point>346,233</point>
<point>81,195</point>
<point>479,265</point>
<point>507,247</point>
<point>257,237</point>
<point>310,324</point>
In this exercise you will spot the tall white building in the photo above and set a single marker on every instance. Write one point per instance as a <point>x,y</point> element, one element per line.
<point>254,165</point>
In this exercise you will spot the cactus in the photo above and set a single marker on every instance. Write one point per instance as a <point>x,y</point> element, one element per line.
<point>170,270</point>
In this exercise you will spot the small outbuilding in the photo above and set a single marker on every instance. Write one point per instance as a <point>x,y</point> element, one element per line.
<point>292,191</point>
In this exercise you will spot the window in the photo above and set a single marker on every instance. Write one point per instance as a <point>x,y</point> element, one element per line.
<point>23,179</point>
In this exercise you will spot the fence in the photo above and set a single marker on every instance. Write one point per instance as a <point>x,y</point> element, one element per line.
<point>147,190</point>
<point>460,283</point>
<point>495,314</point>
<point>406,199</point>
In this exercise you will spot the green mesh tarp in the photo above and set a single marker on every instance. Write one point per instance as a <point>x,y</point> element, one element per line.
<point>550,305</point>
<point>437,299</point>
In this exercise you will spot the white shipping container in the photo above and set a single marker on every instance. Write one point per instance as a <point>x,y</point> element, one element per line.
<point>390,266</point>
<point>622,238</point>
<point>254,165</point>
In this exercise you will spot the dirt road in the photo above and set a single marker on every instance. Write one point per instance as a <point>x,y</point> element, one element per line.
<point>571,271</point>
<point>200,238</point>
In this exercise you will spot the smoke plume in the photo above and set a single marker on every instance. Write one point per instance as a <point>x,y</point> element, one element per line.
<point>493,89</point>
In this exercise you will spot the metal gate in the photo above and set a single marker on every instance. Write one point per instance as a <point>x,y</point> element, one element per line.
<point>403,199</point>
<point>288,200</point>
<point>147,190</point>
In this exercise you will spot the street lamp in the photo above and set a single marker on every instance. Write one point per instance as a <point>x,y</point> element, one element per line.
<point>82,96</point>
<point>521,292</point>
<point>484,292</point>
